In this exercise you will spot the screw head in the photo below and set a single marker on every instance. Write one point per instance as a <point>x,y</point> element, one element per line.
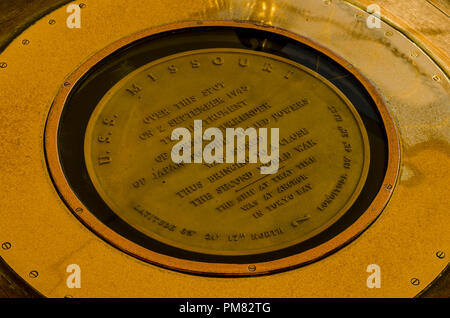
<point>82,5</point>
<point>436,78</point>
<point>388,186</point>
<point>440,254</point>
<point>25,42</point>
<point>33,274</point>
<point>415,281</point>
<point>6,245</point>
<point>51,22</point>
<point>251,268</point>
<point>3,65</point>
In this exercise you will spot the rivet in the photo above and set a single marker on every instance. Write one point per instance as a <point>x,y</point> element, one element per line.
<point>251,268</point>
<point>51,22</point>
<point>415,281</point>
<point>388,186</point>
<point>6,245</point>
<point>25,42</point>
<point>33,274</point>
<point>66,84</point>
<point>440,254</point>
<point>3,65</point>
<point>82,5</point>
<point>437,78</point>
<point>79,210</point>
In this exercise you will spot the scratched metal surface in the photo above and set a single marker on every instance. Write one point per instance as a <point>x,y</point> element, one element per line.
<point>18,14</point>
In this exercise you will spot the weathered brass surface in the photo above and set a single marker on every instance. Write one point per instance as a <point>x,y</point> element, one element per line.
<point>227,208</point>
<point>400,59</point>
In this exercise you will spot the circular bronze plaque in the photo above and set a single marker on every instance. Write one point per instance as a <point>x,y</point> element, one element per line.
<point>227,208</point>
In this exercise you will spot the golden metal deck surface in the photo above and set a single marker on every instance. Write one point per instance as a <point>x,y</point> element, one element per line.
<point>409,76</point>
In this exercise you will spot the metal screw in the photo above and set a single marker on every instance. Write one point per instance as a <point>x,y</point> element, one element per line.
<point>388,186</point>
<point>33,274</point>
<point>251,268</point>
<point>437,78</point>
<point>6,245</point>
<point>389,33</point>
<point>66,84</point>
<point>25,42</point>
<point>82,5</point>
<point>51,22</point>
<point>440,254</point>
<point>415,281</point>
<point>3,65</point>
<point>78,210</point>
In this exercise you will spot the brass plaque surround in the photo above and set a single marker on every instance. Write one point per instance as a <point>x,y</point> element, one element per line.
<point>200,267</point>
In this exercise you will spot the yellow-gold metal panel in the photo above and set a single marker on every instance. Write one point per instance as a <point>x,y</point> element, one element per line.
<point>46,237</point>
